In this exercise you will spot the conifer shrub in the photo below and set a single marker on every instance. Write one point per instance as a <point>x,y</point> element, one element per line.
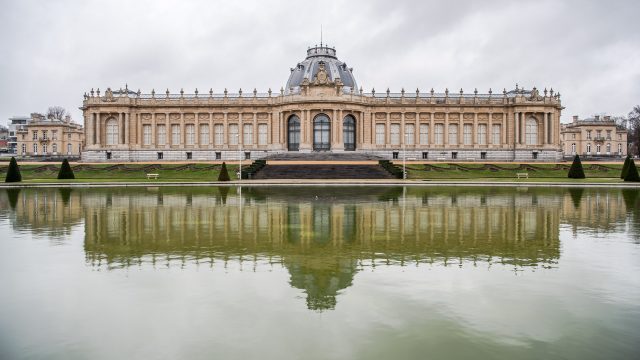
<point>576,171</point>
<point>632,173</point>
<point>224,173</point>
<point>13,172</point>
<point>65,171</point>
<point>625,167</point>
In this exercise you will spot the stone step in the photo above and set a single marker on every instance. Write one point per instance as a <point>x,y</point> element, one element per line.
<point>322,171</point>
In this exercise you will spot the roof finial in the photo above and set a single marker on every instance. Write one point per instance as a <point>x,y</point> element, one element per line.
<point>320,35</point>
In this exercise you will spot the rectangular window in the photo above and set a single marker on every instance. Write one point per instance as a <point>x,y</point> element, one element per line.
<point>54,134</point>
<point>35,149</point>
<point>395,154</point>
<point>454,155</point>
<point>247,134</point>
<point>108,155</point>
<point>218,136</point>
<point>175,134</point>
<point>69,149</point>
<point>482,134</point>
<point>189,155</point>
<point>44,134</point>
<point>589,135</point>
<point>453,134</point>
<point>204,134</point>
<point>44,149</point>
<point>162,135</point>
<point>439,133</point>
<point>425,155</point>
<point>410,133</point>
<point>497,132</point>
<point>69,136</point>
<point>218,155</point>
<point>190,132</point>
<point>598,134</point>
<point>35,135</point>
<point>146,134</point>
<point>483,155</point>
<point>262,134</point>
<point>247,155</point>
<point>468,134</point>
<point>380,134</point>
<point>24,149</point>
<point>160,156</point>
<point>233,134</point>
<point>424,134</point>
<point>395,134</point>
<point>534,155</point>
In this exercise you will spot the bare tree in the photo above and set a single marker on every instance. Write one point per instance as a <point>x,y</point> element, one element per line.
<point>56,113</point>
<point>634,130</point>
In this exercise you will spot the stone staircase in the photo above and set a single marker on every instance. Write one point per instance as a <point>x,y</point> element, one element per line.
<point>322,171</point>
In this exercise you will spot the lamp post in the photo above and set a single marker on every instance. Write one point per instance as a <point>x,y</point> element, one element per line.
<point>237,136</point>
<point>404,157</point>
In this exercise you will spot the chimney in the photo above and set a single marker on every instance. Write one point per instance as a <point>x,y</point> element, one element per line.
<point>597,117</point>
<point>575,118</point>
<point>607,118</point>
<point>67,119</point>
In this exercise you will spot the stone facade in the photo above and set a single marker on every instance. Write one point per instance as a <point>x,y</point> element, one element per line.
<point>321,112</point>
<point>594,137</point>
<point>42,137</point>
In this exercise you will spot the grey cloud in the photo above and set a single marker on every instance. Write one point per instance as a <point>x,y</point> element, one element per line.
<point>54,51</point>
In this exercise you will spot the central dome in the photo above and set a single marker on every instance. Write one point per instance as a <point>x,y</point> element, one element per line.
<point>309,68</point>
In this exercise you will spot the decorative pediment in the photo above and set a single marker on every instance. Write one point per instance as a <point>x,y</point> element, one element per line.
<point>322,77</point>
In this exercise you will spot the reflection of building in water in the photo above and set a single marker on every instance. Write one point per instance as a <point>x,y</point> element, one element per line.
<point>598,209</point>
<point>322,242</point>
<point>41,210</point>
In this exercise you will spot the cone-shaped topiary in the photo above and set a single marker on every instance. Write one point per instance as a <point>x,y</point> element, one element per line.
<point>65,171</point>
<point>576,171</point>
<point>13,173</point>
<point>632,173</point>
<point>625,167</point>
<point>224,174</point>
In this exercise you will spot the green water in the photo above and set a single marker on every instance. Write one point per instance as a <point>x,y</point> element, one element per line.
<point>319,273</point>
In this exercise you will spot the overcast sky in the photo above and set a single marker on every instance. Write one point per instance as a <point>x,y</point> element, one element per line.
<point>54,51</point>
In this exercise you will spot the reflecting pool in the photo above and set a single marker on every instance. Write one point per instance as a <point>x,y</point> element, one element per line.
<point>319,273</point>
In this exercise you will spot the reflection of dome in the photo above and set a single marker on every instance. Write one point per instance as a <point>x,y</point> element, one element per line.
<point>321,280</point>
<point>316,56</point>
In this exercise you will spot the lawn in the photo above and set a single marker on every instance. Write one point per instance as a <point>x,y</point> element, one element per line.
<point>507,172</point>
<point>124,172</point>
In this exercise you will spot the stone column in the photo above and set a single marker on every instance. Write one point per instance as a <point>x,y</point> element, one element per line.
<point>432,130</point>
<point>403,134</point>
<point>154,131</point>
<point>212,133</point>
<point>196,130</point>
<point>445,136</point>
<point>98,124</point>
<point>167,131</point>
<point>255,129</point>
<point>516,127</point>
<point>474,133</point>
<point>225,130</point>
<point>120,128</point>
<point>183,137</point>
<point>127,133</point>
<point>461,129</point>
<point>490,131</point>
<point>503,129</point>
<point>545,127</point>
<point>387,130</point>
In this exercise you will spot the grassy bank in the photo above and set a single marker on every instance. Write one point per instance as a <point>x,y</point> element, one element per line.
<point>124,172</point>
<point>504,172</point>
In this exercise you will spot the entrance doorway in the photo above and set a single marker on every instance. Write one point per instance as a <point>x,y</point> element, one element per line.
<point>321,133</point>
<point>349,133</point>
<point>293,133</point>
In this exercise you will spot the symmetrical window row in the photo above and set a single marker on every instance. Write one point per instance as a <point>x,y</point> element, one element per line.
<point>190,134</point>
<point>409,133</point>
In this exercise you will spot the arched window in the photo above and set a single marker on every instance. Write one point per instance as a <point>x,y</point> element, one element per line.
<point>531,132</point>
<point>608,149</point>
<point>573,148</point>
<point>349,133</point>
<point>54,148</point>
<point>293,133</point>
<point>321,132</point>
<point>112,132</point>
<point>588,148</point>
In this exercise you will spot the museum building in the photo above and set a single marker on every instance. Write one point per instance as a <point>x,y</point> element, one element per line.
<point>322,109</point>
